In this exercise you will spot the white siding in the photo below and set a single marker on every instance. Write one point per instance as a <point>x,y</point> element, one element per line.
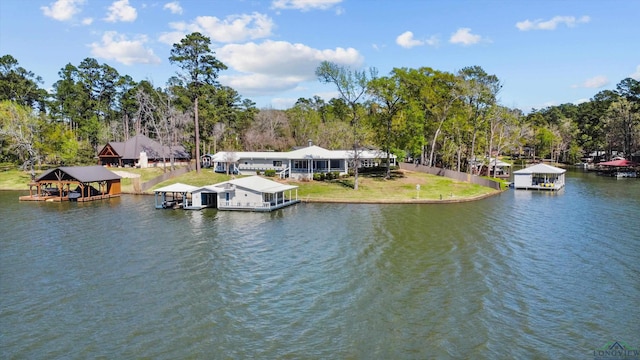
<point>522,180</point>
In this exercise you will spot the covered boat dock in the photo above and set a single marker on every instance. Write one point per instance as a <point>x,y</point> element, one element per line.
<point>620,168</point>
<point>539,177</point>
<point>252,193</point>
<point>174,196</point>
<point>74,183</point>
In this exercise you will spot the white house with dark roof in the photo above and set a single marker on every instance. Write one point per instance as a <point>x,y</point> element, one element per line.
<point>300,163</point>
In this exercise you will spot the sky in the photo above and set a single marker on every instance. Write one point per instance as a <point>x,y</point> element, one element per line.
<point>544,52</point>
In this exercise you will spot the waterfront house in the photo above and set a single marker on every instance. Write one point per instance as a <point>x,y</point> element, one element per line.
<point>74,183</point>
<point>298,164</point>
<point>539,177</point>
<point>141,151</point>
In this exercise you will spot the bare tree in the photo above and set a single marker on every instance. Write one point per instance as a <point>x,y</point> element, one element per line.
<point>163,120</point>
<point>229,159</point>
<point>21,127</point>
<point>268,131</point>
<point>352,87</point>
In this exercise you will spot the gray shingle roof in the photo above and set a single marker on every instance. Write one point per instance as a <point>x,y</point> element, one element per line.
<point>85,174</point>
<point>131,149</point>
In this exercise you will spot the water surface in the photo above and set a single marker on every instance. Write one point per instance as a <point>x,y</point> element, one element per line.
<point>519,275</point>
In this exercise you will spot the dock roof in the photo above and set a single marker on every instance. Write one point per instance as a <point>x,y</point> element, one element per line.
<point>541,169</point>
<point>177,188</point>
<point>83,174</point>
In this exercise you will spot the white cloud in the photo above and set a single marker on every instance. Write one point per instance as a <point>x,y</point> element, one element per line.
<point>278,65</point>
<point>62,10</point>
<point>121,11</point>
<point>465,37</point>
<point>636,75</point>
<point>305,5</point>
<point>407,41</point>
<point>283,103</point>
<point>232,29</point>
<point>174,7</point>
<point>433,40</point>
<point>173,37</point>
<point>552,24</point>
<point>593,83</point>
<point>119,48</point>
<point>87,21</point>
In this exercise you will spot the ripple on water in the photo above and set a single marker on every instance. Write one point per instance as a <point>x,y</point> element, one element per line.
<point>543,273</point>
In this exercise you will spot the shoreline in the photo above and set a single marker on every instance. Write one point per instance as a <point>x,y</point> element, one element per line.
<point>401,202</point>
<point>370,202</point>
<point>382,201</point>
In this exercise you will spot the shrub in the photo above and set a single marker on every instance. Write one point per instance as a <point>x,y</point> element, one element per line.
<point>270,173</point>
<point>257,172</point>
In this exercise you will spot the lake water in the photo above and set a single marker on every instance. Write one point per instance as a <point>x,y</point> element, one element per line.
<point>519,275</point>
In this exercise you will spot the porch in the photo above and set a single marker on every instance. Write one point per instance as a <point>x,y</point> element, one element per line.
<point>256,206</point>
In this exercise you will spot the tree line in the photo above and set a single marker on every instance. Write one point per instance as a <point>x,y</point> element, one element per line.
<point>425,115</point>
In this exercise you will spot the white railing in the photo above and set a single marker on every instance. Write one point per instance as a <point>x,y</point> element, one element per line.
<point>253,205</point>
<point>245,205</point>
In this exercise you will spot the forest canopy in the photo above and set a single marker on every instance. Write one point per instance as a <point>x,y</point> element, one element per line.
<point>425,115</point>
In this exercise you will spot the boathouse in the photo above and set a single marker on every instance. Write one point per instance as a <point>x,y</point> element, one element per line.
<point>74,183</point>
<point>252,193</point>
<point>255,193</point>
<point>539,177</point>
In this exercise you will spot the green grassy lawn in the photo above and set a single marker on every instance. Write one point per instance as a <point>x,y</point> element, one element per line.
<point>145,175</point>
<point>371,188</point>
<point>14,179</point>
<point>205,177</point>
<point>402,187</point>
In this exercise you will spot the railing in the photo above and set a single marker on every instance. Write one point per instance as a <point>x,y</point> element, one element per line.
<point>283,173</point>
<point>253,205</point>
<point>245,205</point>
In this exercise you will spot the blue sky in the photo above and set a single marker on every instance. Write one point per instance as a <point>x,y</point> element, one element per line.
<point>544,52</point>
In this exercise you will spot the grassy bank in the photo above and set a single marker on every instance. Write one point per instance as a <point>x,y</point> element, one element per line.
<point>12,179</point>
<point>372,188</point>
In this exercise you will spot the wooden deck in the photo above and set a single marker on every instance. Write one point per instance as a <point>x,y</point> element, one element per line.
<point>545,187</point>
<point>55,198</point>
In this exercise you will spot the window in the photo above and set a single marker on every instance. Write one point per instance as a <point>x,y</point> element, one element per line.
<point>277,163</point>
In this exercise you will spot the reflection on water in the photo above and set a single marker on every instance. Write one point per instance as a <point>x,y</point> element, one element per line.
<point>519,275</point>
